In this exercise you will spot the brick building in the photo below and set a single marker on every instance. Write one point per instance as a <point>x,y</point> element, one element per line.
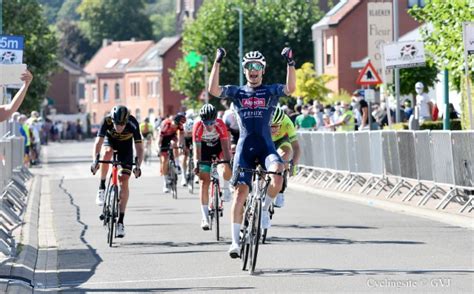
<point>351,32</point>
<point>148,81</point>
<point>66,87</point>
<point>106,85</point>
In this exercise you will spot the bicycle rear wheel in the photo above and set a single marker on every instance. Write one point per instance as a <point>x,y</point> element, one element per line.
<point>271,210</point>
<point>190,176</point>
<point>216,208</point>
<point>255,234</point>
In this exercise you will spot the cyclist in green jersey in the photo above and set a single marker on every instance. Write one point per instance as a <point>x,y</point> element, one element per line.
<point>286,142</point>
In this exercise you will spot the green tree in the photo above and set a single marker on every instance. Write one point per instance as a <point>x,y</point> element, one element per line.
<point>268,27</point>
<point>409,76</point>
<point>309,85</point>
<point>443,38</point>
<point>114,19</point>
<point>164,25</point>
<point>50,9</point>
<point>24,17</point>
<point>68,11</point>
<point>73,44</point>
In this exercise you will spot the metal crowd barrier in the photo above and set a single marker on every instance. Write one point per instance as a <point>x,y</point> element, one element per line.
<point>424,164</point>
<point>13,176</point>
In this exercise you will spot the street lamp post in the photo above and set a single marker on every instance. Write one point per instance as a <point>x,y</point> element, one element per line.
<point>241,44</point>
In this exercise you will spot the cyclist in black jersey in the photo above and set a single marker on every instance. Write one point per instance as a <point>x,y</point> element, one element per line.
<point>118,131</point>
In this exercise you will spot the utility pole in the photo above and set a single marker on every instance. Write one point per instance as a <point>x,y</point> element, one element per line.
<point>397,71</point>
<point>241,44</point>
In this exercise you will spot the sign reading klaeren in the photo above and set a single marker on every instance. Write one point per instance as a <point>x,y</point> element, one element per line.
<point>404,54</point>
<point>379,31</point>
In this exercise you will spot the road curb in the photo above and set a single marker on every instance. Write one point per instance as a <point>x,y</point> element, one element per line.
<point>24,265</point>
<point>437,215</point>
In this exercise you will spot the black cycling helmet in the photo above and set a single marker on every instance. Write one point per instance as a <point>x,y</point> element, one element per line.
<point>179,119</point>
<point>208,112</point>
<point>119,114</point>
<point>147,120</point>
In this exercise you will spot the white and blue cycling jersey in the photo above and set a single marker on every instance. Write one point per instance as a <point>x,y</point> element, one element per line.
<point>254,108</point>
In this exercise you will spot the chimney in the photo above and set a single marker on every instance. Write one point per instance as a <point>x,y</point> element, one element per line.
<point>106,42</point>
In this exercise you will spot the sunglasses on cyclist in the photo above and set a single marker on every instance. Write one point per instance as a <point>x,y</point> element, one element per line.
<point>209,122</point>
<point>253,66</point>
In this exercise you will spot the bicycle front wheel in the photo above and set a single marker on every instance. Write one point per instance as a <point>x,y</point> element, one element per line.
<point>173,177</point>
<point>113,215</point>
<point>244,238</point>
<point>255,233</point>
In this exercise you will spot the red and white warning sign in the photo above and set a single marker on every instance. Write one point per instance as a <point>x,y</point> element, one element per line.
<point>368,76</point>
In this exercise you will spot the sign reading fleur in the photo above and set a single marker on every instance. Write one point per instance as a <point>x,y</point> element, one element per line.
<point>404,54</point>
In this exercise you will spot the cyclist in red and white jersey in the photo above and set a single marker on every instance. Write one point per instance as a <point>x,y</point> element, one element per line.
<point>170,136</point>
<point>210,138</point>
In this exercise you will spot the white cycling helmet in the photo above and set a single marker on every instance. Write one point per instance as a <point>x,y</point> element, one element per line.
<point>254,56</point>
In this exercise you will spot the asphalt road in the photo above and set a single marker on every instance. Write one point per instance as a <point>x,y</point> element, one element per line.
<point>317,244</point>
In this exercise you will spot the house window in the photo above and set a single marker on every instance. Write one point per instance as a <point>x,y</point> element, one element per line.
<point>81,90</point>
<point>94,94</point>
<point>149,88</point>
<point>135,89</point>
<point>157,87</point>
<point>330,51</point>
<point>117,91</point>
<point>138,114</point>
<point>106,92</point>
<point>419,3</point>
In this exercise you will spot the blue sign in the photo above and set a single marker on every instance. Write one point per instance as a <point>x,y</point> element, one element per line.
<point>11,49</point>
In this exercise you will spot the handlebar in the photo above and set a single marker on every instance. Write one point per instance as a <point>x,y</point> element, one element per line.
<point>216,162</point>
<point>259,171</point>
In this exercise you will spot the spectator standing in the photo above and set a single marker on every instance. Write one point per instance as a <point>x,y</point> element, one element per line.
<point>452,112</point>
<point>79,130</point>
<point>424,103</point>
<point>25,132</point>
<point>305,121</point>
<point>408,109</point>
<point>346,122</point>
<point>364,111</point>
<point>296,113</point>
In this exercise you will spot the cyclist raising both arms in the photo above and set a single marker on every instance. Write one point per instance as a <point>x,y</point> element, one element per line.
<point>286,142</point>
<point>210,138</point>
<point>254,104</point>
<point>170,134</point>
<point>117,132</point>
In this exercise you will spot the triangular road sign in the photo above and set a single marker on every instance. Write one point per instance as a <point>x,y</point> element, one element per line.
<point>368,76</point>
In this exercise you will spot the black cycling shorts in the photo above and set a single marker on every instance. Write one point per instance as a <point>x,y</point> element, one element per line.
<point>166,142</point>
<point>188,142</point>
<point>124,153</point>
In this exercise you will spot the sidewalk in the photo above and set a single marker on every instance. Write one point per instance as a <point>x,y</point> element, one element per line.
<point>35,265</point>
